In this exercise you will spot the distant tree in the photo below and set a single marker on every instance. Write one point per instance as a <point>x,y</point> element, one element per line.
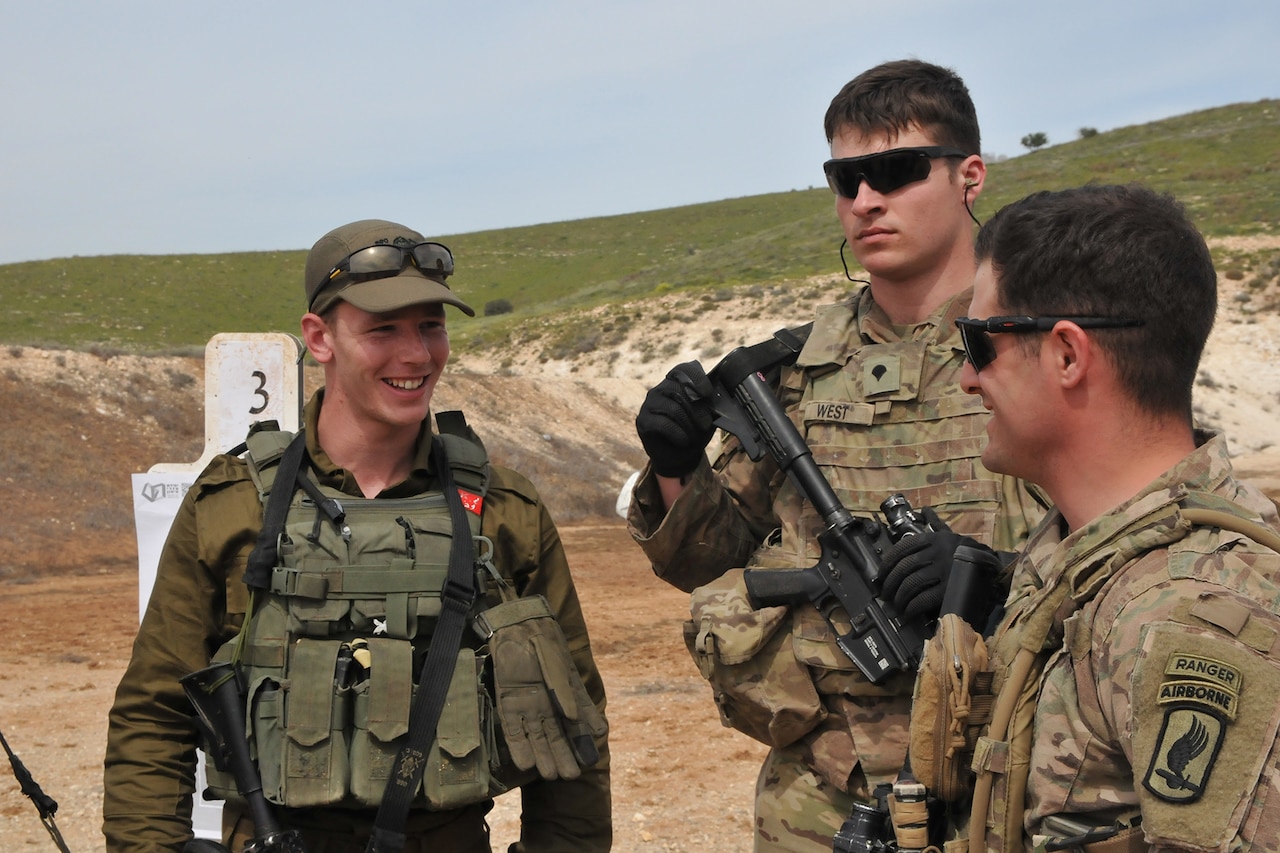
<point>1088,132</point>
<point>495,307</point>
<point>1033,141</point>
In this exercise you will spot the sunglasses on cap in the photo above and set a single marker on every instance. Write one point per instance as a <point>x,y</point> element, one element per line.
<point>385,260</point>
<point>884,171</point>
<point>980,350</point>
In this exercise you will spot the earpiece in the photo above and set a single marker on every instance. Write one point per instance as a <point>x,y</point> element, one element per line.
<point>970,183</point>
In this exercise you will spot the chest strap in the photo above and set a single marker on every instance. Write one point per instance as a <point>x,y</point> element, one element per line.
<point>437,670</point>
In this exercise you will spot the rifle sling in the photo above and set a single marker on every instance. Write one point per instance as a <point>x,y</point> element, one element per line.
<point>437,672</point>
<point>781,349</point>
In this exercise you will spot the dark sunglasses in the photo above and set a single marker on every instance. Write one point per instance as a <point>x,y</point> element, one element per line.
<point>980,350</point>
<point>383,261</point>
<point>885,171</point>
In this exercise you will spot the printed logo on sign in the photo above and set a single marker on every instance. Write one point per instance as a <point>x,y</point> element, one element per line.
<point>153,492</point>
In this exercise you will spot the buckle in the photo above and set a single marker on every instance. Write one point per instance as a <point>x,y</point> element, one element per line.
<point>457,596</point>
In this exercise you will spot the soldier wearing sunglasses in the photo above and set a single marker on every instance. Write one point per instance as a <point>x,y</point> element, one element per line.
<point>875,391</point>
<point>1137,660</point>
<point>338,650</point>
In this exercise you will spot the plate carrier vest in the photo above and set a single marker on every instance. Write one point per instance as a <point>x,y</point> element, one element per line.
<point>1002,756</point>
<point>329,651</point>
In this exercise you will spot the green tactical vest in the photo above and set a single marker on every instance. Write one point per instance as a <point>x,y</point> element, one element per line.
<point>331,651</point>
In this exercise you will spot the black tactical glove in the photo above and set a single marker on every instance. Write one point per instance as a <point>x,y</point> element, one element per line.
<point>919,567</point>
<point>675,420</point>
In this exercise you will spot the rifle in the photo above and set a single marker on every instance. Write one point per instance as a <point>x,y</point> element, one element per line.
<point>46,805</point>
<point>217,693</point>
<point>845,582</point>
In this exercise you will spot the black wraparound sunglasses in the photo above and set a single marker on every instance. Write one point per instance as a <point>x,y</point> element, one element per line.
<point>980,350</point>
<point>884,171</point>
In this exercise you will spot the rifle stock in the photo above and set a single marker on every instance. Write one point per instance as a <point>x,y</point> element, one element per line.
<point>217,694</point>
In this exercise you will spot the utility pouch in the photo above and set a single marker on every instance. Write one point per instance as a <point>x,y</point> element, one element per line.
<point>548,720</point>
<point>952,702</point>
<point>457,770</point>
<point>759,686</point>
<point>300,729</point>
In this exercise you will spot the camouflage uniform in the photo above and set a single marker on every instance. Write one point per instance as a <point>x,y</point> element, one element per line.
<point>883,412</point>
<point>199,603</point>
<point>1159,695</point>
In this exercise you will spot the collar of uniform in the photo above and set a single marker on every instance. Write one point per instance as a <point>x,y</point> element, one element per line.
<point>875,326</point>
<point>1205,469</point>
<point>418,481</point>
<point>840,330</point>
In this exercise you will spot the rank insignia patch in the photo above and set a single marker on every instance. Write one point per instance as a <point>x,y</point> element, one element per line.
<point>882,374</point>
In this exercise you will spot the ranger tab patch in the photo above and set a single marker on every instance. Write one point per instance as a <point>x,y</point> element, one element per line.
<point>1201,696</point>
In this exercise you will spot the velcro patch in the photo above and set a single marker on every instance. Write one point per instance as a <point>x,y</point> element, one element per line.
<point>1215,700</point>
<point>1189,742</point>
<point>1201,741</point>
<point>882,373</point>
<point>471,502</point>
<point>818,411</point>
<point>1193,666</point>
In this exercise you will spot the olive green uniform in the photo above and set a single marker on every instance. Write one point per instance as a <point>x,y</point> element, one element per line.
<point>883,412</point>
<point>198,603</point>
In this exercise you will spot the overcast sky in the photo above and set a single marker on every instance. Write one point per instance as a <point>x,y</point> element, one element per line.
<point>172,126</point>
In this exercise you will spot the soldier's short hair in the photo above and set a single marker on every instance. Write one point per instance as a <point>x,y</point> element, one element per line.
<point>1112,251</point>
<point>895,96</point>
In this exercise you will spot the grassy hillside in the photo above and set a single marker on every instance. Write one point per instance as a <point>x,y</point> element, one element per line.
<point>1224,163</point>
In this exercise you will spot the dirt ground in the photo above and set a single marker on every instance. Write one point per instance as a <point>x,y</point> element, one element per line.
<point>681,782</point>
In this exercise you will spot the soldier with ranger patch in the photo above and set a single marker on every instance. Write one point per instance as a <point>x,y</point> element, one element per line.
<point>1137,665</point>
<point>875,393</point>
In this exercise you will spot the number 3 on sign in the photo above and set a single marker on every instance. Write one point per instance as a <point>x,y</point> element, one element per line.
<point>260,391</point>
<point>251,377</point>
<point>248,377</point>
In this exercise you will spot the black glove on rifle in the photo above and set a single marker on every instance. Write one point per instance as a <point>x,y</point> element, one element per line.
<point>675,421</point>
<point>919,567</point>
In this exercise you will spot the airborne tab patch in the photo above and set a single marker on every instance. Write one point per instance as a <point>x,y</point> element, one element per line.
<point>1212,699</point>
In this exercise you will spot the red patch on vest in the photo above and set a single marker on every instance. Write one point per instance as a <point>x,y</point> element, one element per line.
<point>471,502</point>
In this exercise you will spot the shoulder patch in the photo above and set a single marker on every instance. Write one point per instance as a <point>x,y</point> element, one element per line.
<point>1200,696</point>
<point>1205,719</point>
<point>1214,671</point>
<point>1185,751</point>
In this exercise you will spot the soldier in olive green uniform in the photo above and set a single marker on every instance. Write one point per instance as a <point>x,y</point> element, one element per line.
<point>376,323</point>
<point>1138,663</point>
<point>875,394</point>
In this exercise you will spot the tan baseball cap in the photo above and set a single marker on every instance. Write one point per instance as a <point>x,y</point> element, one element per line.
<point>412,285</point>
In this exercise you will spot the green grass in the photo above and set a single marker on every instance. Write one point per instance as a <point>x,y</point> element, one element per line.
<point>1223,163</point>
